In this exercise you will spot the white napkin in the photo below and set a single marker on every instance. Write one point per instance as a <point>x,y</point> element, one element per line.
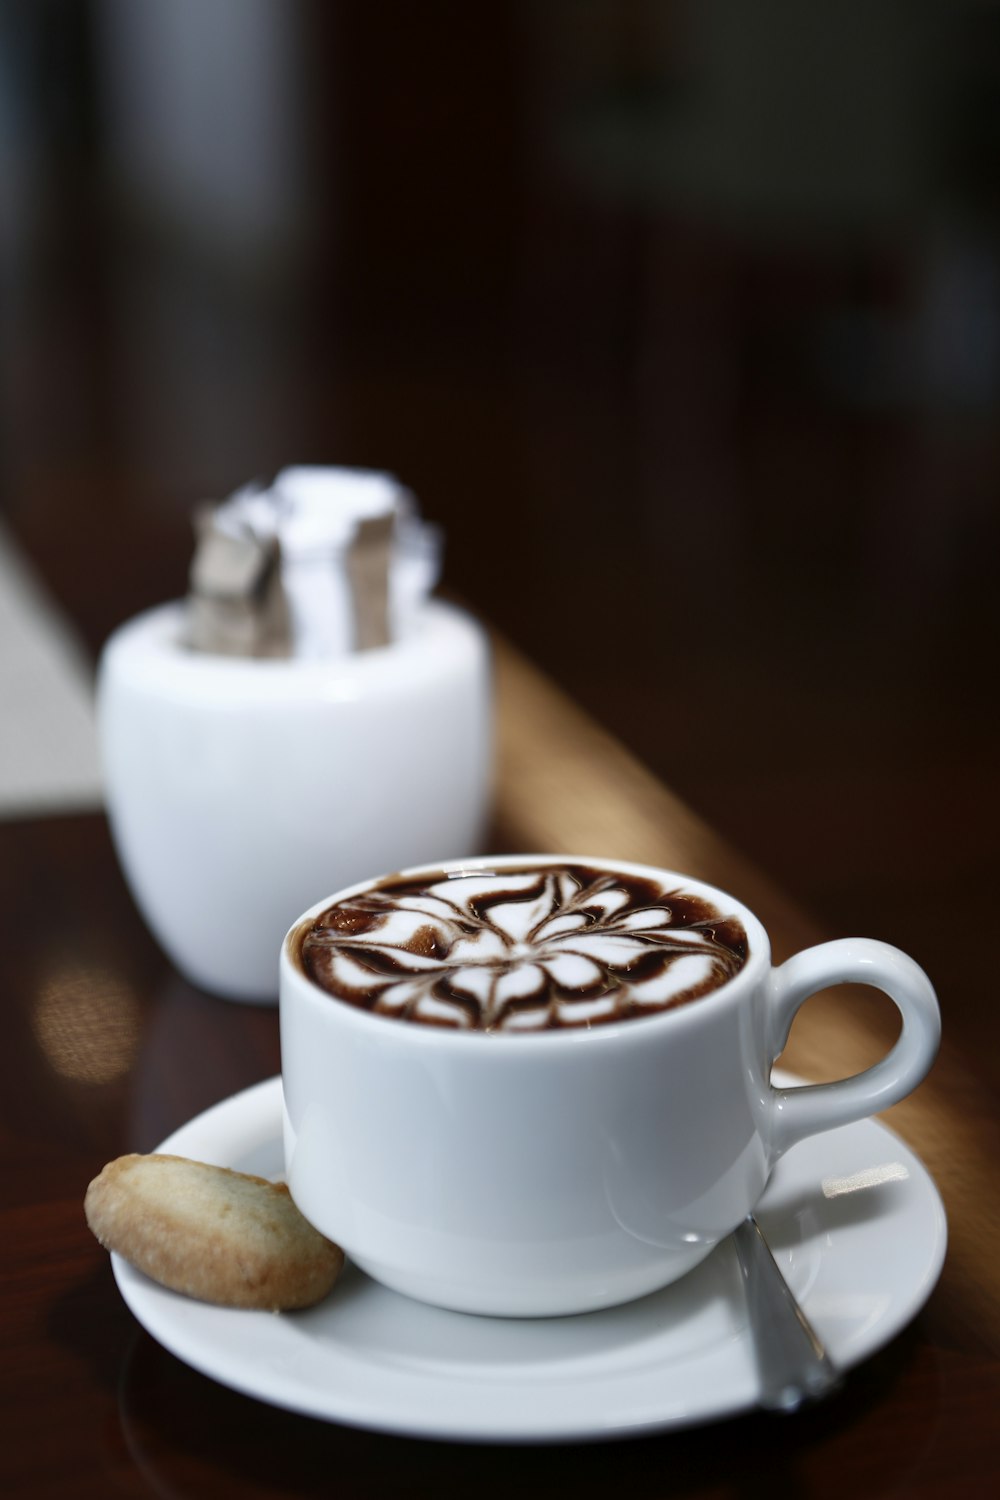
<point>48,740</point>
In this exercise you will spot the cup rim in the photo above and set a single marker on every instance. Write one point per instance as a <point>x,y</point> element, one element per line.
<point>758,958</point>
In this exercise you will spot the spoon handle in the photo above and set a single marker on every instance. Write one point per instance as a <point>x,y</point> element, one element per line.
<point>794,1366</point>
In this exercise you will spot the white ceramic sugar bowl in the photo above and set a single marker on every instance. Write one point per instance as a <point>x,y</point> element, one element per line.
<point>239,789</point>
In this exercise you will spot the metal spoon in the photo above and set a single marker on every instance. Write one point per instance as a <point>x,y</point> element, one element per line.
<point>794,1367</point>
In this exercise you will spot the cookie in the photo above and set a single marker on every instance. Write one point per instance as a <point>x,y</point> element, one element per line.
<point>211,1233</point>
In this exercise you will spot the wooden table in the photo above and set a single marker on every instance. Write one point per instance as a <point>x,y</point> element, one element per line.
<point>109,1049</point>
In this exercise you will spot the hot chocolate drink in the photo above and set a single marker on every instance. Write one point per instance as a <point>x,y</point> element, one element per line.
<point>541,948</point>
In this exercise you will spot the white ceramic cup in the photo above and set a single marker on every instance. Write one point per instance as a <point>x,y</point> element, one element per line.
<point>237,788</point>
<point>565,1171</point>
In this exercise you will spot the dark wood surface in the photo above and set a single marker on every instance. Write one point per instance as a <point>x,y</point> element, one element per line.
<point>724,464</point>
<point>109,1049</point>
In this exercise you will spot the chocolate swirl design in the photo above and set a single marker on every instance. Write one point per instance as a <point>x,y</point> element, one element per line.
<point>523,950</point>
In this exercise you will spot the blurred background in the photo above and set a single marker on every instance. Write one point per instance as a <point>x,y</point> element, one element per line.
<point>682,318</point>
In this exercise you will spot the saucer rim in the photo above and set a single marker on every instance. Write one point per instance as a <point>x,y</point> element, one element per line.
<point>230,1124</point>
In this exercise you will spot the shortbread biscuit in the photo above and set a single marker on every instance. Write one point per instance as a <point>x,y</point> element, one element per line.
<point>211,1233</point>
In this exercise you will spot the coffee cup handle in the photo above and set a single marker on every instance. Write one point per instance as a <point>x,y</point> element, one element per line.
<point>811,1108</point>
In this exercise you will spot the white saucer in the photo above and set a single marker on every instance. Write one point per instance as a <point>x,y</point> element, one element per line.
<point>855,1222</point>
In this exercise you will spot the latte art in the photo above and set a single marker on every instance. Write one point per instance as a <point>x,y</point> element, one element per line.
<point>545,948</point>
